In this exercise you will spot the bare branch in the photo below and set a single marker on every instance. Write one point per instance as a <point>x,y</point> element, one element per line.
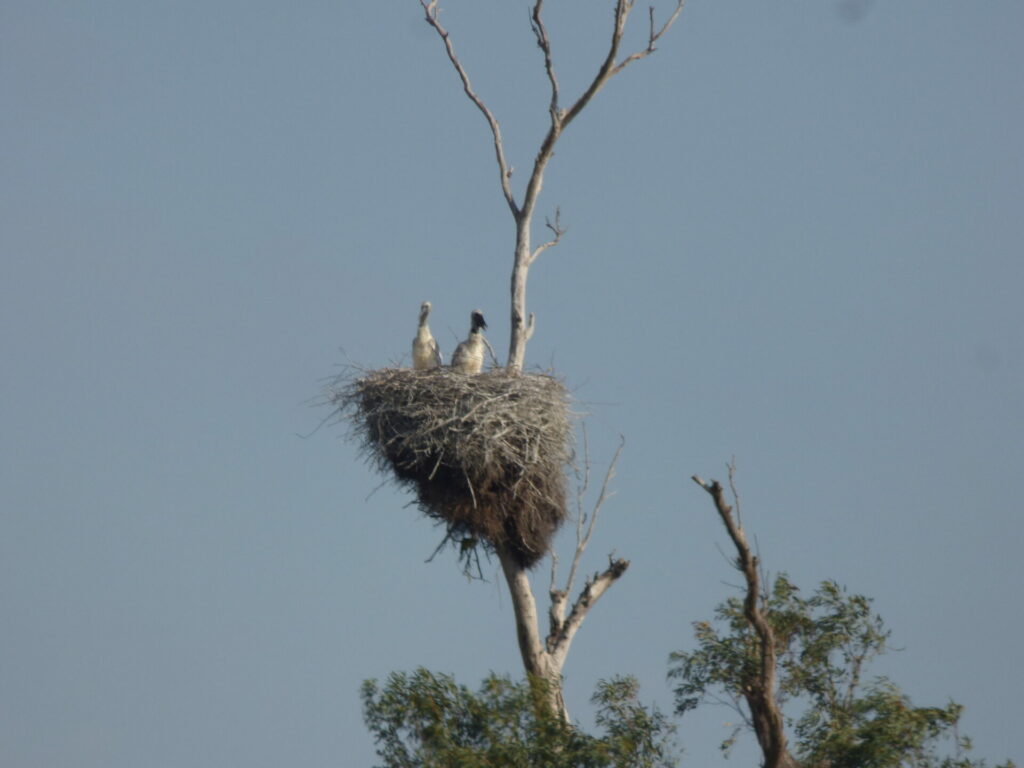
<point>759,691</point>
<point>560,118</point>
<point>563,629</point>
<point>557,231</point>
<point>582,540</point>
<point>582,487</point>
<point>431,13</point>
<point>544,43</point>
<point>653,37</point>
<point>597,585</point>
<point>560,597</point>
<point>731,468</point>
<point>607,68</point>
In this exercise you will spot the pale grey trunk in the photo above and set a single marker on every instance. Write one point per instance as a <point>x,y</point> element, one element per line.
<point>518,334</point>
<point>537,661</point>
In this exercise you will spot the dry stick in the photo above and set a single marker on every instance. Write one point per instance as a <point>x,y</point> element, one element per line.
<point>759,692</point>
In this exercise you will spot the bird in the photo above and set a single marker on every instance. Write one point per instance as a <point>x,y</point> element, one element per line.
<point>425,352</point>
<point>469,355</point>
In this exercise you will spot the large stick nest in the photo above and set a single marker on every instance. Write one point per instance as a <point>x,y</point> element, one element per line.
<point>485,454</point>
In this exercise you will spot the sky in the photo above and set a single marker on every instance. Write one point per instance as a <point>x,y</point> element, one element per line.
<point>790,240</point>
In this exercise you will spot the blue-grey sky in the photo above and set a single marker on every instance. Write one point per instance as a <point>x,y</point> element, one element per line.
<point>791,239</point>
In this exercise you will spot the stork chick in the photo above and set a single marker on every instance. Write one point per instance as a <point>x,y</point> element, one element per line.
<point>425,352</point>
<point>469,355</point>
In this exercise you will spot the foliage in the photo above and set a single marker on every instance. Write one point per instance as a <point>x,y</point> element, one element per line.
<point>426,720</point>
<point>822,645</point>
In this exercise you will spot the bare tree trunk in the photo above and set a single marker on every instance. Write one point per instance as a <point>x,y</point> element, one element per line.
<point>519,330</point>
<point>537,661</point>
<point>545,658</point>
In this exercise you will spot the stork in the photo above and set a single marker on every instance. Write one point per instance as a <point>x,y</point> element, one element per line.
<point>425,352</point>
<point>469,355</point>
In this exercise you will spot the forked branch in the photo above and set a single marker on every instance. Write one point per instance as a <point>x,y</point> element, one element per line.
<point>556,230</point>
<point>559,120</point>
<point>653,36</point>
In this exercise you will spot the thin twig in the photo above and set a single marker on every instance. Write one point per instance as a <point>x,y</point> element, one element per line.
<point>604,495</point>
<point>653,37</point>
<point>556,229</point>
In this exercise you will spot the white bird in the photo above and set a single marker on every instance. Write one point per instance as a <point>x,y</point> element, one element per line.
<point>425,352</point>
<point>469,355</point>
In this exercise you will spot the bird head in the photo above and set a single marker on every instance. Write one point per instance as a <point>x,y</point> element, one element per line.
<point>477,321</point>
<point>424,310</point>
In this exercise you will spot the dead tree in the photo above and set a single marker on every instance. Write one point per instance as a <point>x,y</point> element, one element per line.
<point>544,657</point>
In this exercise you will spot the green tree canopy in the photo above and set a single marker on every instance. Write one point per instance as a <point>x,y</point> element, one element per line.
<point>426,720</point>
<point>822,645</point>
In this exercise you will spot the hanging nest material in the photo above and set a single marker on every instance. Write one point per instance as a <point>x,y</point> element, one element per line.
<point>485,454</point>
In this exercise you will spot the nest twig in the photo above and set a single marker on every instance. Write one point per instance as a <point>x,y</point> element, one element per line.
<point>485,454</point>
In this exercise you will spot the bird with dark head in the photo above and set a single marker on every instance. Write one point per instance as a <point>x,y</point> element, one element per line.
<point>469,355</point>
<point>425,352</point>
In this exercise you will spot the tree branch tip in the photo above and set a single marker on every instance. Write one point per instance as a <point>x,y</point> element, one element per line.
<point>710,485</point>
